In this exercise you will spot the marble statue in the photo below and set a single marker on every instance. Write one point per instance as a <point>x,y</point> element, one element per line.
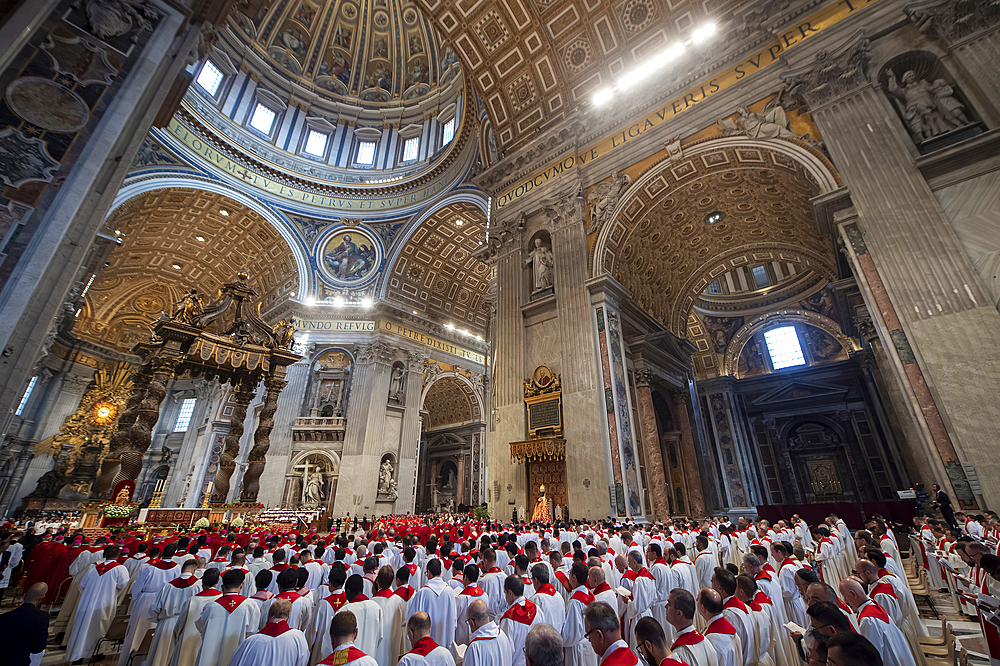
<point>604,198</point>
<point>541,261</point>
<point>314,488</point>
<point>770,123</point>
<point>451,481</point>
<point>385,476</point>
<point>396,385</point>
<point>929,109</point>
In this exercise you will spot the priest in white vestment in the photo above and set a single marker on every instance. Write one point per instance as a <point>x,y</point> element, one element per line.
<point>332,599</point>
<point>550,603</point>
<point>437,600</point>
<point>186,637</point>
<point>151,579</point>
<point>393,618</point>
<point>665,582</point>
<point>488,646</point>
<point>277,643</point>
<point>343,631</point>
<point>368,614</point>
<point>719,631</point>
<point>426,651</point>
<point>605,636</point>
<point>689,645</point>
<point>301,606</point>
<point>577,650</point>
<point>642,598</point>
<point>875,625</point>
<point>226,622</point>
<point>470,592</point>
<point>521,615</point>
<point>166,608</point>
<point>98,602</point>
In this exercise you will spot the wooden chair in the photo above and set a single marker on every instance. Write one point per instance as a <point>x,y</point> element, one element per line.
<point>143,649</point>
<point>60,592</point>
<point>946,635</point>
<point>949,658</point>
<point>115,634</point>
<point>963,657</point>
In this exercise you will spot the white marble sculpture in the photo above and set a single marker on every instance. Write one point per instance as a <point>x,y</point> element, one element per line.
<point>541,261</point>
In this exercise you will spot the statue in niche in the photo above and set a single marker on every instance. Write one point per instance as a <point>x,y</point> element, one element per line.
<point>314,488</point>
<point>929,109</point>
<point>604,198</point>
<point>541,261</point>
<point>770,123</point>
<point>396,385</point>
<point>451,482</point>
<point>190,308</point>
<point>385,481</point>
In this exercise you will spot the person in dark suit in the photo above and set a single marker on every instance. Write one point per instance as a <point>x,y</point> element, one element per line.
<point>24,631</point>
<point>943,502</point>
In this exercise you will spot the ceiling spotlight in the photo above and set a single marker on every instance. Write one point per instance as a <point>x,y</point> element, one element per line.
<point>118,232</point>
<point>292,294</point>
<point>449,326</point>
<point>176,266</point>
<point>603,96</point>
<point>310,300</point>
<point>200,239</point>
<point>414,312</point>
<point>223,212</point>
<point>459,223</point>
<point>703,33</point>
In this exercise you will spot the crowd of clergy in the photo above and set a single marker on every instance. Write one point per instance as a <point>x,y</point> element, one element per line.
<point>416,590</point>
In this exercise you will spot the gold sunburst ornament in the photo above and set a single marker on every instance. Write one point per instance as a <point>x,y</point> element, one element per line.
<point>103,412</point>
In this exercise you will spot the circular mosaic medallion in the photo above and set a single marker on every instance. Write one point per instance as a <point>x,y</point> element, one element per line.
<point>350,256</point>
<point>47,104</point>
<point>349,11</point>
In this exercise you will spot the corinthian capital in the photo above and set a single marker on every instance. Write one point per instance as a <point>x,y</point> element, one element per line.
<point>375,352</point>
<point>643,376</point>
<point>832,74</point>
<point>952,21</point>
<point>565,211</point>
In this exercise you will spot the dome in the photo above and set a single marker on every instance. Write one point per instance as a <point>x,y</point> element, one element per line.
<point>372,52</point>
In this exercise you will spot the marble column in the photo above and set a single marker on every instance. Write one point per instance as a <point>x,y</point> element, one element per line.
<point>406,464</point>
<point>692,475</point>
<point>941,320</point>
<point>363,436</point>
<point>730,446</point>
<point>279,455</point>
<point>581,393</point>
<point>658,486</point>
<point>507,418</point>
<point>17,475</point>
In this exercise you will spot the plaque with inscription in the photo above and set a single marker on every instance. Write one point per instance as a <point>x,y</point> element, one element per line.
<point>544,415</point>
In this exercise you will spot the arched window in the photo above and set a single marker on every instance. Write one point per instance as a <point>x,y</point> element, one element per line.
<point>784,347</point>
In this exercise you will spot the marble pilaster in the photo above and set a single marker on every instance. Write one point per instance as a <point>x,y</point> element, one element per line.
<point>189,450</point>
<point>406,462</point>
<point>947,325</point>
<point>363,437</point>
<point>651,438</point>
<point>279,455</point>
<point>692,476</point>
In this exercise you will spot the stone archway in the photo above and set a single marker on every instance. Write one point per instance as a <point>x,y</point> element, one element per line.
<point>297,492</point>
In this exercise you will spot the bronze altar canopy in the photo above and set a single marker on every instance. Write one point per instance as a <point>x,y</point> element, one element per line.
<point>227,340</point>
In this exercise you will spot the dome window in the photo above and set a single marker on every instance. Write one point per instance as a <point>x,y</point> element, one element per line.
<point>366,153</point>
<point>210,78</point>
<point>262,119</point>
<point>315,144</point>
<point>449,132</point>
<point>411,148</point>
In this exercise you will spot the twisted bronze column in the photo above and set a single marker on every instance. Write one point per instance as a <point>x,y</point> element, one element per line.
<point>261,441</point>
<point>243,394</point>
<point>103,484</point>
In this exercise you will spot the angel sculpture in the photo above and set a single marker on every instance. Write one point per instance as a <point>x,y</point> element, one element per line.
<point>284,334</point>
<point>190,308</point>
<point>770,123</point>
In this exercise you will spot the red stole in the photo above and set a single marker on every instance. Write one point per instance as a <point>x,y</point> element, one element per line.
<point>621,657</point>
<point>405,592</point>
<point>660,560</point>
<point>762,598</point>
<point>644,573</point>
<point>721,626</point>
<point>564,580</point>
<point>523,613</point>
<point>230,601</point>
<point>105,567</point>
<point>875,611</point>
<point>336,600</point>
<point>630,575</point>
<point>291,596</point>
<point>583,597</point>
<point>424,646</point>
<point>763,575</point>
<point>384,594</point>
<point>844,607</point>
<point>281,566</point>
<point>275,629</point>
<point>494,570</point>
<point>336,659</point>
<point>547,589</point>
<point>690,638</point>
<point>737,604</point>
<point>472,591</point>
<point>210,592</point>
<point>182,583</point>
<point>164,564</point>
<point>358,598</point>
<point>883,588</point>
<point>603,587</point>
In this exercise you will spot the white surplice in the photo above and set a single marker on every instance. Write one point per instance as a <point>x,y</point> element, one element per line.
<point>438,656</point>
<point>320,645</point>
<point>551,605</point>
<point>224,624</point>
<point>576,648</point>
<point>151,580</point>
<point>874,624</point>
<point>723,637</point>
<point>438,601</point>
<point>287,649</point>
<point>300,614</point>
<point>167,606</point>
<point>697,651</point>
<point>488,646</point>
<point>369,617</point>
<point>393,627</point>
<point>187,638</point>
<point>522,615</point>
<point>99,589</point>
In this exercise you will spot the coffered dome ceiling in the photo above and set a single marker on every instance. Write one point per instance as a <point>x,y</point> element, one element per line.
<point>697,219</point>
<point>173,240</point>
<point>372,51</point>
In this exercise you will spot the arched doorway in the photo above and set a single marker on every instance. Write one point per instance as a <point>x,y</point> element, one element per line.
<point>311,480</point>
<point>449,465</point>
